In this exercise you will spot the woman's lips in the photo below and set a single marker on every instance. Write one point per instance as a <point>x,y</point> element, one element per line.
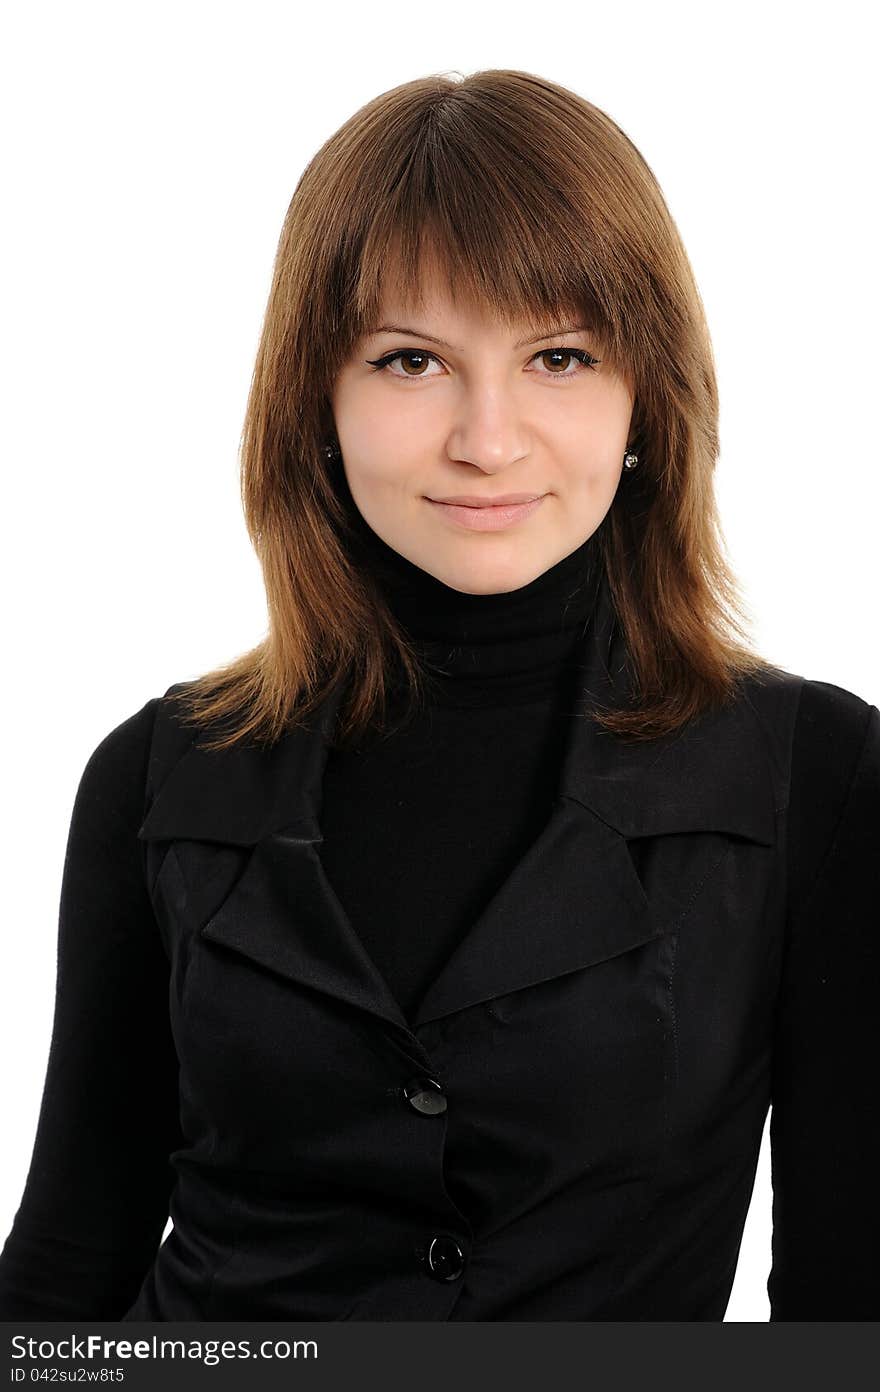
<point>488,519</point>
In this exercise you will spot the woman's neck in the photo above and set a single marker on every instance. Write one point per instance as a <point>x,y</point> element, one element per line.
<point>486,649</point>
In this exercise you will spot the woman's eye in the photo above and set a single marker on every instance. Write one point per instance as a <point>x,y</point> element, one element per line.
<point>415,360</point>
<point>586,360</point>
<point>405,355</point>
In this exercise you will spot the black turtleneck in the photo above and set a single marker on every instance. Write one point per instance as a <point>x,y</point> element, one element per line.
<point>422,826</point>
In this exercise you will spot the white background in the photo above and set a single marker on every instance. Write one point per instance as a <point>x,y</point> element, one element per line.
<point>150,153</point>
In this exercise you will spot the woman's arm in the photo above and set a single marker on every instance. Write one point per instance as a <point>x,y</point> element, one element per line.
<point>95,1201</point>
<point>825,1117</point>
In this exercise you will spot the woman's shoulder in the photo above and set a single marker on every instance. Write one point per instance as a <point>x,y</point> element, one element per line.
<point>825,724</point>
<point>827,712</point>
<point>835,730</point>
<point>125,746</point>
<point>835,779</point>
<point>124,755</point>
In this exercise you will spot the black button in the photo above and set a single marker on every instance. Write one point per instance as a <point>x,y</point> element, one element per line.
<point>445,1259</point>
<point>425,1095</point>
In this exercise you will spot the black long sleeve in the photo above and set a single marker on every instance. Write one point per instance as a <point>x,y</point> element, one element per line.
<point>96,1197</point>
<point>824,1120</point>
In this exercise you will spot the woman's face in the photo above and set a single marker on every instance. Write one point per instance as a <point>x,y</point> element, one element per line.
<point>472,412</point>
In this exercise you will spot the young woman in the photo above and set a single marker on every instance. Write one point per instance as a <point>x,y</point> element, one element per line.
<point>440,957</point>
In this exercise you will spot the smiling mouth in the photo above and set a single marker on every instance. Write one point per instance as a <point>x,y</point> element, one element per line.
<point>503,500</point>
<point>488,516</point>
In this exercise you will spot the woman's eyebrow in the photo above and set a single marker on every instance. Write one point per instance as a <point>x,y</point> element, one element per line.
<point>523,343</point>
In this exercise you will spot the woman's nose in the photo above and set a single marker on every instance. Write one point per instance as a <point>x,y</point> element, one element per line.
<point>487,429</point>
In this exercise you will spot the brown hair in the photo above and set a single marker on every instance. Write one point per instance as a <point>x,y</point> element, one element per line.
<point>533,202</point>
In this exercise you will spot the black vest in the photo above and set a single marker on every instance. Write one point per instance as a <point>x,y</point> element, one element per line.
<point>591,1066</point>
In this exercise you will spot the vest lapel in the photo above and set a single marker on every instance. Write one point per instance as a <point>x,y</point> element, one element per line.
<point>245,828</point>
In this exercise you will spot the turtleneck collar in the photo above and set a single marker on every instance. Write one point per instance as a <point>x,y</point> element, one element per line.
<point>489,649</point>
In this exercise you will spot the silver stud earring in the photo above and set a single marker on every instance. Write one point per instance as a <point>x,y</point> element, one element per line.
<point>331,450</point>
<point>630,460</point>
